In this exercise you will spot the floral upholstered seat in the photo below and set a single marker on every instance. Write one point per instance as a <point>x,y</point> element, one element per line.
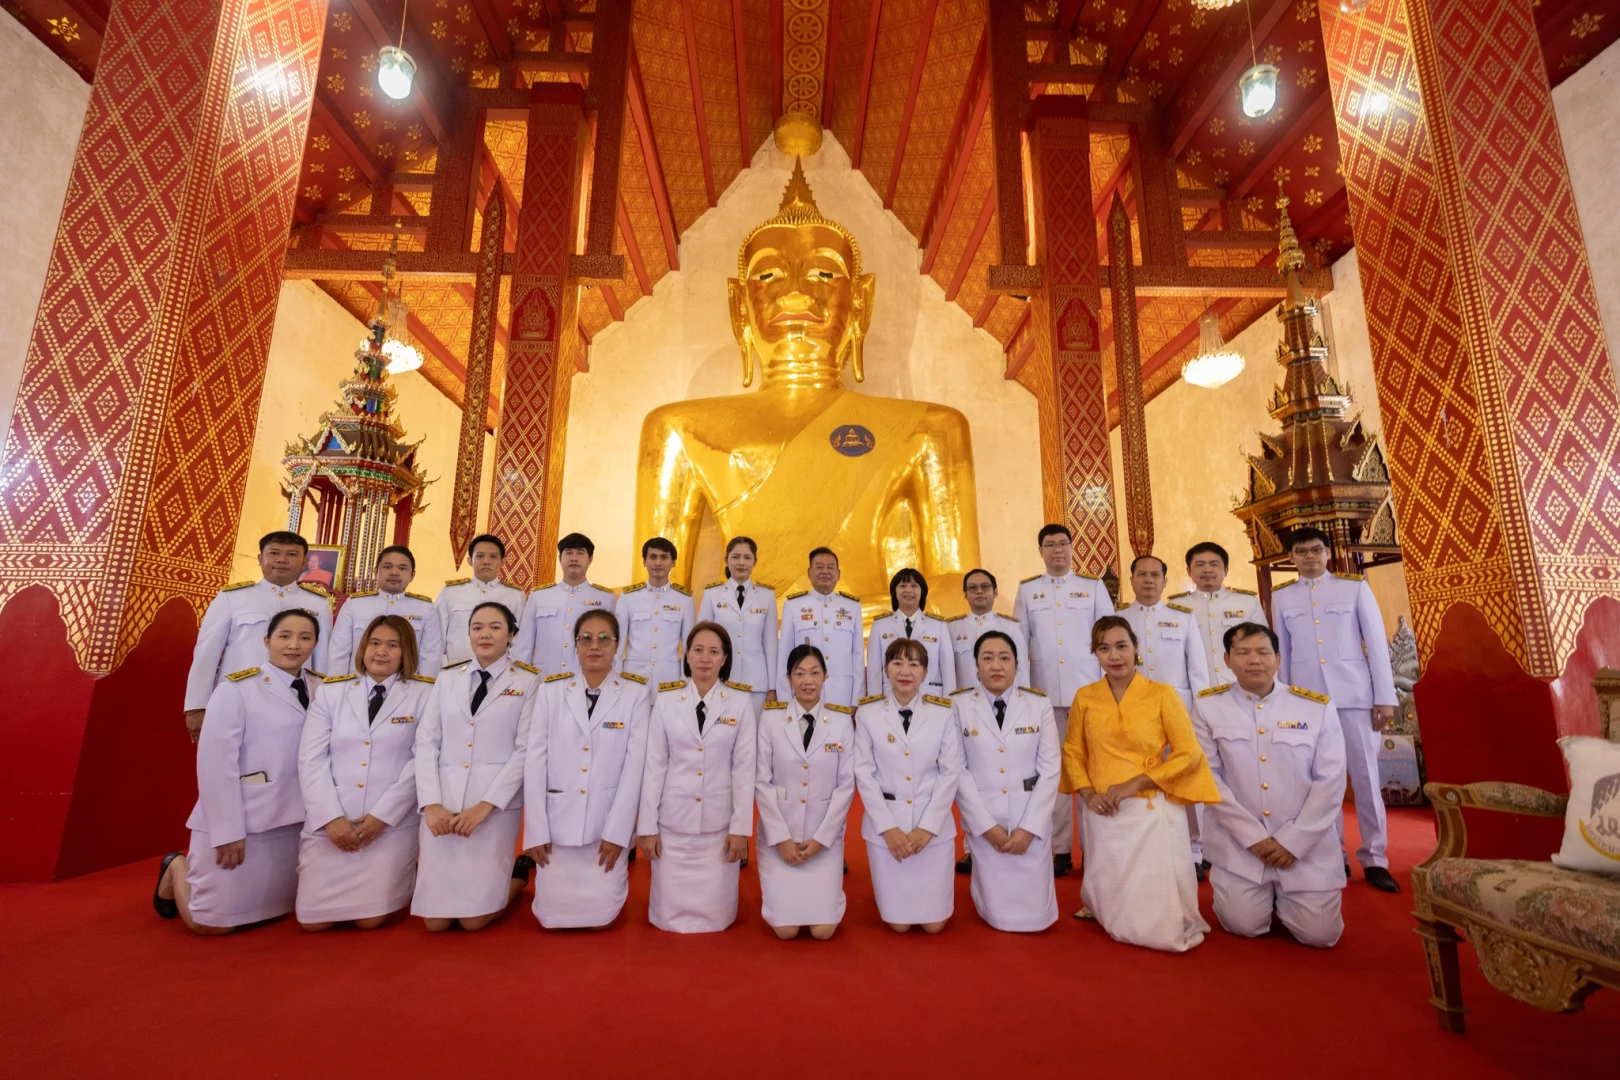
<point>1569,908</point>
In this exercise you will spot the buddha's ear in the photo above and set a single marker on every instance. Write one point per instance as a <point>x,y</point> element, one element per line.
<point>738,303</point>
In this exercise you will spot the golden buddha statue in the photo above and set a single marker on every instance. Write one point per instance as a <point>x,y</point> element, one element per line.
<point>885,483</point>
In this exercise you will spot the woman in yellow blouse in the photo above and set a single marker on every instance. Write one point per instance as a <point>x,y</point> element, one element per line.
<point>1133,758</point>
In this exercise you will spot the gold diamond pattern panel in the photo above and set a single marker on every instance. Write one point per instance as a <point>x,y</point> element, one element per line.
<point>958,27</point>
<point>660,40</point>
<point>717,63</point>
<point>849,59</point>
<point>900,29</point>
<point>756,33</point>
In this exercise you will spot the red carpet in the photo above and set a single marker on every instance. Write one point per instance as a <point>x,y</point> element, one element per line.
<point>96,985</point>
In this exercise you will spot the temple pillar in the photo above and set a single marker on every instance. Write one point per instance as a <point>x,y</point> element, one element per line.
<point>1128,379</point>
<point>542,350</point>
<point>1499,403</point>
<point>124,468</point>
<point>1065,321</point>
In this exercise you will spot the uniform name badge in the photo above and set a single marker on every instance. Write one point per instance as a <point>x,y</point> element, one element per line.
<point>511,691</point>
<point>1026,730</point>
<point>403,720</point>
<point>833,747</point>
<point>613,725</point>
<point>729,721</point>
<point>1294,725</point>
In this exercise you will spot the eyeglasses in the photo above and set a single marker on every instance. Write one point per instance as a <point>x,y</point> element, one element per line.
<point>587,638</point>
<point>983,586</point>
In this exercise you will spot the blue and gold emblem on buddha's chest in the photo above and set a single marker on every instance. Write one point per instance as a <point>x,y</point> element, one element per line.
<point>852,440</point>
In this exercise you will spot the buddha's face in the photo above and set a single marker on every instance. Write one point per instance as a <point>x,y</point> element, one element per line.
<point>800,298</point>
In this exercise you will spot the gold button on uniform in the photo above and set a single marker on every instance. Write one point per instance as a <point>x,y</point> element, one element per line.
<point>1266,812</point>
<point>1265,787</point>
<point>1262,757</point>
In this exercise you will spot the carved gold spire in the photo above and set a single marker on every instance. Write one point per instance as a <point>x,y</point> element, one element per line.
<point>798,210</point>
<point>1290,256</point>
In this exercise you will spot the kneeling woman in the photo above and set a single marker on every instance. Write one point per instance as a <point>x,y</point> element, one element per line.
<point>806,780</point>
<point>357,855</point>
<point>582,782</point>
<point>243,865</point>
<point>697,801</point>
<point>908,760</point>
<point>470,749</point>
<point>1133,757</point>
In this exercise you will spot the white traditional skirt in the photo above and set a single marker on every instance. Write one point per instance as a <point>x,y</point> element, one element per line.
<point>463,877</point>
<point>1139,882</point>
<point>263,887</point>
<point>1014,892</point>
<point>336,885</point>
<point>572,891</point>
<point>694,888</point>
<point>810,894</point>
<point>922,889</point>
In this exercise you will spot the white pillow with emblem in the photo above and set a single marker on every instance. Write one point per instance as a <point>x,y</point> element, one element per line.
<point>1592,821</point>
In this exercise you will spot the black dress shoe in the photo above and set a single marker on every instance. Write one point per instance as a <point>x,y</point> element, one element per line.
<point>167,909</point>
<point>1347,869</point>
<point>1201,871</point>
<point>964,865</point>
<point>1062,864</point>
<point>522,869</point>
<point>1381,879</point>
<point>846,868</point>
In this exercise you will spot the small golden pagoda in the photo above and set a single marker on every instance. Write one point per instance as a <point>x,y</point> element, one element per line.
<point>1324,469</point>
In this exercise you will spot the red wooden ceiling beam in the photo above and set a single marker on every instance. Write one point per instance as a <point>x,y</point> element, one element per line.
<point>974,240</point>
<point>743,138</point>
<point>1224,82</point>
<point>954,168</point>
<point>633,249</point>
<point>985,308</point>
<point>866,83</point>
<point>490,20</point>
<point>1316,106</point>
<point>426,93</point>
<point>348,140</point>
<point>830,71</point>
<point>917,66</point>
<point>696,77</point>
<point>94,13</point>
<point>1141,18</point>
<point>649,154</point>
<point>776,58</point>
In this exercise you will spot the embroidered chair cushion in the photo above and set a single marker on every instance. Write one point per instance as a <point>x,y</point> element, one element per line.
<point>1572,908</point>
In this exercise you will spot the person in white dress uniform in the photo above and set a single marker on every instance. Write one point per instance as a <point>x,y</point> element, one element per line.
<point>805,784</point>
<point>1332,641</point>
<point>1057,610</point>
<point>459,596</point>
<point>470,753</point>
<point>1009,781</point>
<point>242,865</point>
<point>582,781</point>
<point>747,610</point>
<point>396,569</point>
<point>979,586</point>
<point>357,853</point>
<point>1216,608</point>
<point>1277,753</point>
<point>697,797</point>
<point>233,629</point>
<point>908,761</point>
<point>546,639</point>
<point>908,592</point>
<point>656,616</point>
<point>829,620</point>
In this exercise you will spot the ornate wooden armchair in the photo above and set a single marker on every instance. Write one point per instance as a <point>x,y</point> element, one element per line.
<point>1546,936</point>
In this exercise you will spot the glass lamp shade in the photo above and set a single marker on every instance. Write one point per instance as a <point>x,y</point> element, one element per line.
<point>1258,90</point>
<point>1215,365</point>
<point>402,356</point>
<point>395,71</point>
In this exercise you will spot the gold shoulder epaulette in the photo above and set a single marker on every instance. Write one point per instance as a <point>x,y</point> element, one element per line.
<point>457,580</point>
<point>1245,592</point>
<point>1122,607</point>
<point>559,675</point>
<point>340,678</point>
<point>1178,607</point>
<point>1312,694</point>
<point>716,585</point>
<point>932,700</point>
<point>509,585</point>
<point>1032,690</point>
<point>954,618</point>
<point>846,596</point>
<point>1031,578</point>
<point>744,687</point>
<point>682,589</point>
<point>796,595</point>
<point>317,674</point>
<point>367,592</point>
<point>879,615</point>
<point>423,678</point>
<point>419,596</point>
<point>637,587</point>
<point>1284,585</point>
<point>1213,690</point>
<point>845,709</point>
<point>1352,577</point>
<point>633,677</point>
<point>552,585</point>
<point>963,690</point>
<point>455,664</point>
<point>869,698</point>
<point>1088,577</point>
<point>310,586</point>
<point>521,666</point>
<point>233,586</point>
<point>673,684</point>
<point>246,673</point>
<point>1178,596</point>
<point>776,704</point>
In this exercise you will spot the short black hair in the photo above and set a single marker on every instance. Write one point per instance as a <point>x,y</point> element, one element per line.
<point>822,551</point>
<point>1250,629</point>
<point>506,613</point>
<point>725,643</point>
<point>577,540</point>
<point>281,616</point>
<point>1209,547</point>
<point>803,652</point>
<point>397,549</point>
<point>995,635</point>
<point>900,578</point>
<point>487,538</point>
<point>601,614</point>
<point>1163,566</point>
<point>1306,535</point>
<point>282,536</point>
<point>979,570</point>
<point>657,543</point>
<point>1052,530</point>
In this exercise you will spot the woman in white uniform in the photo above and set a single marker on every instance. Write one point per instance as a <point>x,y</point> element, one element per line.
<point>697,799</point>
<point>243,863</point>
<point>582,782</point>
<point>470,747</point>
<point>747,610</point>
<point>357,854</point>
<point>908,592</point>
<point>908,759</point>
<point>806,780</point>
<point>1009,786</point>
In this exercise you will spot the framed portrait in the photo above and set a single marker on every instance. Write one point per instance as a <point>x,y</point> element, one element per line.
<point>324,566</point>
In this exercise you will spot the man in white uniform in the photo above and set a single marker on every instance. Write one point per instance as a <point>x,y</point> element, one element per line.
<point>460,596</point>
<point>1215,608</point>
<point>655,616</point>
<point>1332,641</point>
<point>1057,610</point>
<point>829,620</point>
<point>396,567</point>
<point>1277,754</point>
<point>231,637</point>
<point>546,633</point>
<point>979,586</point>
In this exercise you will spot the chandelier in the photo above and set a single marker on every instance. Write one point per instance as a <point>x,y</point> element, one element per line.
<point>1215,365</point>
<point>392,320</point>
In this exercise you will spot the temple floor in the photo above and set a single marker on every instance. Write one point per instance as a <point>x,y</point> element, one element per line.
<point>97,985</point>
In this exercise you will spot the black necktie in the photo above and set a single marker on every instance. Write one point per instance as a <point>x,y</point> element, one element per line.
<point>905,720</point>
<point>908,626</point>
<point>1001,712</point>
<point>739,597</point>
<point>590,702</point>
<point>378,692</point>
<point>302,691</point>
<point>809,727</point>
<point>483,688</point>
<point>703,713</point>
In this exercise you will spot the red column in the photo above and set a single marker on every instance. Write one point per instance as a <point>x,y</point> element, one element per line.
<point>540,356</point>
<point>127,454</point>
<point>1500,409</point>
